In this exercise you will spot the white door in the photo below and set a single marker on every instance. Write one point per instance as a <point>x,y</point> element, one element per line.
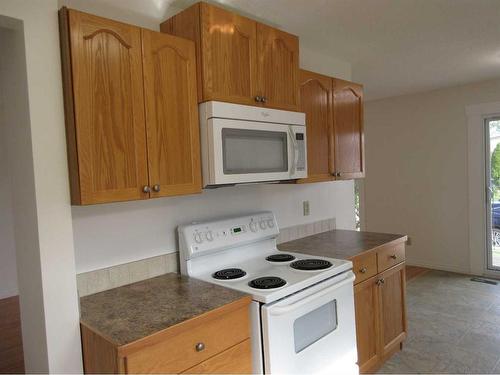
<point>312,331</point>
<point>492,183</point>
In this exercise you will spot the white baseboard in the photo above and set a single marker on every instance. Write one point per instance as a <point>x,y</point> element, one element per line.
<point>8,293</point>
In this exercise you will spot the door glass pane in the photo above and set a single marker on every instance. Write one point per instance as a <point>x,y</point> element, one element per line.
<point>493,190</point>
<point>314,325</point>
<point>254,151</point>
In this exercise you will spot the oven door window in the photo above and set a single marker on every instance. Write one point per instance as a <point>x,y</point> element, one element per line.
<point>314,325</point>
<point>254,151</point>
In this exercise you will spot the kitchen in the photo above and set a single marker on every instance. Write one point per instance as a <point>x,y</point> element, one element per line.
<point>240,103</point>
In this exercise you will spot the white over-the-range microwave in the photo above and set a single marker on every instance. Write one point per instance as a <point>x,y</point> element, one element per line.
<point>244,144</point>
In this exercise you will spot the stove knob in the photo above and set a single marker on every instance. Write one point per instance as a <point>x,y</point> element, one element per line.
<point>270,223</point>
<point>198,238</point>
<point>209,236</point>
<point>262,224</point>
<point>253,226</point>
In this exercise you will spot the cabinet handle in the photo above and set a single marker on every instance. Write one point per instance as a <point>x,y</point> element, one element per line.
<point>264,99</point>
<point>258,99</point>
<point>338,174</point>
<point>199,347</point>
<point>380,282</point>
<point>393,256</point>
<point>363,270</point>
<point>156,188</point>
<point>146,189</point>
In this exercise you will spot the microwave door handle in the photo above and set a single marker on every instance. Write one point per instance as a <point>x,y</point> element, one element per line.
<point>281,310</point>
<point>295,151</point>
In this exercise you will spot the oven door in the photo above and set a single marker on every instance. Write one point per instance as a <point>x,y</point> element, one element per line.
<point>246,151</point>
<point>312,331</point>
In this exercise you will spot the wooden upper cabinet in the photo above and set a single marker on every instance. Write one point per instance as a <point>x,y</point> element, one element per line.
<point>315,102</point>
<point>106,119</point>
<point>229,56</point>
<point>171,114</point>
<point>131,111</point>
<point>349,133</point>
<point>238,59</point>
<point>278,68</point>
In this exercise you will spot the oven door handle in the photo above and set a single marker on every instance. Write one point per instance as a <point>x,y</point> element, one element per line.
<point>280,310</point>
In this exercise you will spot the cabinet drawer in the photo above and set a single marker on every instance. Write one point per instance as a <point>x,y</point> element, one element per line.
<point>235,360</point>
<point>390,256</point>
<point>364,266</point>
<point>179,353</point>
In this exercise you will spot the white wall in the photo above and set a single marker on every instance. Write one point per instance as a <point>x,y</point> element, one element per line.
<point>33,113</point>
<point>8,274</point>
<point>416,171</point>
<point>112,234</point>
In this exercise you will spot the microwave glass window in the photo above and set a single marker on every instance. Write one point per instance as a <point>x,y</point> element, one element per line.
<point>254,151</point>
<point>315,325</point>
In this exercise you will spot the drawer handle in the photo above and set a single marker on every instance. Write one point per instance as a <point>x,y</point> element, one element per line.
<point>363,270</point>
<point>199,347</point>
<point>393,256</point>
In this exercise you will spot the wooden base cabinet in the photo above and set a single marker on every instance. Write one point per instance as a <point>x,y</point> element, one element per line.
<point>217,342</point>
<point>366,300</point>
<point>392,309</point>
<point>381,325</point>
<point>131,111</point>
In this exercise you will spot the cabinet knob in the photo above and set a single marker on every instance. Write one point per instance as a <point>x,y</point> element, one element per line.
<point>199,347</point>
<point>393,256</point>
<point>146,189</point>
<point>156,188</point>
<point>264,99</point>
<point>363,270</point>
<point>380,282</point>
<point>338,174</point>
<point>258,99</point>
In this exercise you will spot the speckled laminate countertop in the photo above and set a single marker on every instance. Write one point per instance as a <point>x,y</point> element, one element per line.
<point>134,311</point>
<point>341,244</point>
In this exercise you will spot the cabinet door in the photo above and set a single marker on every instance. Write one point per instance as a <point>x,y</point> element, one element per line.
<point>236,360</point>
<point>393,325</point>
<point>348,124</point>
<point>228,49</point>
<point>315,101</point>
<point>171,114</point>
<point>278,68</point>
<point>108,108</point>
<point>367,324</point>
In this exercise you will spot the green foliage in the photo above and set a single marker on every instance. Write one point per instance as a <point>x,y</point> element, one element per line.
<point>495,172</point>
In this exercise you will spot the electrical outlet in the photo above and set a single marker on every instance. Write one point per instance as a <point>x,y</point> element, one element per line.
<point>305,207</point>
<point>408,241</point>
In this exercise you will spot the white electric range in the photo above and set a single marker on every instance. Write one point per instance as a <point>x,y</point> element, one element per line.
<point>303,306</point>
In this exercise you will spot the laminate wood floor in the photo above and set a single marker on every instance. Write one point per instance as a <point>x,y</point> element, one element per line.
<point>453,327</point>
<point>11,343</point>
<point>413,271</point>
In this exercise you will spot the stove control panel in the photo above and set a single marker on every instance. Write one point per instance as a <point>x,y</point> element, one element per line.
<point>202,238</point>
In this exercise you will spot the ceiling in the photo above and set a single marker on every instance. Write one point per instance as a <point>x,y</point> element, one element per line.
<point>395,46</point>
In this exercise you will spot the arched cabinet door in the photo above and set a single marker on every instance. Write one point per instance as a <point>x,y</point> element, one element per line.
<point>278,68</point>
<point>315,102</point>
<point>349,134</point>
<point>108,108</point>
<point>171,114</point>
